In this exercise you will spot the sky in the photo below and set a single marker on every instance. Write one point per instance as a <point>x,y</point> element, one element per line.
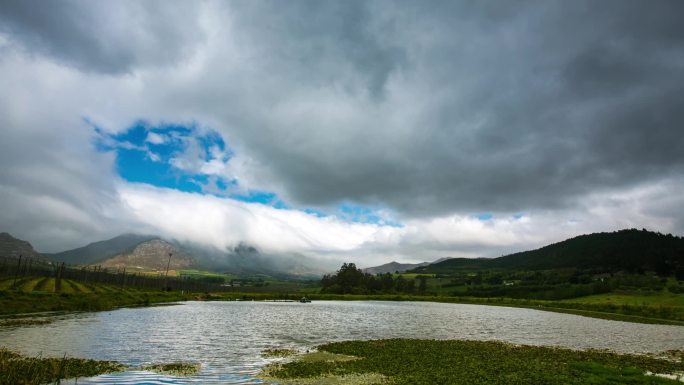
<point>360,131</point>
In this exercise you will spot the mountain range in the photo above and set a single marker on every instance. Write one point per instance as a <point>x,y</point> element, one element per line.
<point>625,250</point>
<point>151,253</point>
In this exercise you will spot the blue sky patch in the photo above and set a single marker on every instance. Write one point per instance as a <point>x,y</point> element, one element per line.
<point>158,155</point>
<point>182,157</point>
<point>365,214</point>
<point>193,159</point>
<point>263,197</point>
<point>315,212</point>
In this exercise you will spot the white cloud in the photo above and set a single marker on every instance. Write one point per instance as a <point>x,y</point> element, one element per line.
<point>224,223</point>
<point>155,138</point>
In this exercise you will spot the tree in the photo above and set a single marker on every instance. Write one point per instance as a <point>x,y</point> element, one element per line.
<point>422,284</point>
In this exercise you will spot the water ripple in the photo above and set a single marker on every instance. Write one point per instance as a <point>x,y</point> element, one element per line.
<point>227,338</point>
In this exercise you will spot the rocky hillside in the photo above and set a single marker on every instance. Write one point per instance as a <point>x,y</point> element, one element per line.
<point>13,247</point>
<point>152,255</point>
<point>97,252</point>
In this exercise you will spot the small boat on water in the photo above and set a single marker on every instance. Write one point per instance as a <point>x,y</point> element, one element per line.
<point>304,300</point>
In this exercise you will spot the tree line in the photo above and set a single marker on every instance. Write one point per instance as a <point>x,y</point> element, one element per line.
<point>351,280</point>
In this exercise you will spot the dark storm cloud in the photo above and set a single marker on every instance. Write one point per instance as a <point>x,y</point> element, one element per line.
<point>107,37</point>
<point>427,109</point>
<point>467,106</point>
<point>327,37</point>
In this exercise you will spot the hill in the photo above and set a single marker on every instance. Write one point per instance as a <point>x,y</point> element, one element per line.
<point>97,252</point>
<point>245,260</point>
<point>625,250</point>
<point>152,255</point>
<point>394,267</point>
<point>14,247</point>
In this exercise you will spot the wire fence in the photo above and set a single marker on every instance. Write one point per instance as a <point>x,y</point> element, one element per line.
<point>17,270</point>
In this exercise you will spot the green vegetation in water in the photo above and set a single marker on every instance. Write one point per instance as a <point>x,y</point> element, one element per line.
<point>16,322</point>
<point>275,353</point>
<point>270,372</point>
<point>323,356</point>
<point>404,361</point>
<point>18,369</point>
<point>175,368</point>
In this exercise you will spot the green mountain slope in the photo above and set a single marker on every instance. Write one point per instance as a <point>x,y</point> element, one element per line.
<point>625,250</point>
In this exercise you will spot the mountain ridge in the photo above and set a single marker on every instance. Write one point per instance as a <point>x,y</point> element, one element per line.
<point>630,250</point>
<point>15,247</point>
<point>100,251</point>
<point>120,252</point>
<point>152,255</point>
<point>395,266</point>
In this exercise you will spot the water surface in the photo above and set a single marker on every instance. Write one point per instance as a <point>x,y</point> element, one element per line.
<point>228,337</point>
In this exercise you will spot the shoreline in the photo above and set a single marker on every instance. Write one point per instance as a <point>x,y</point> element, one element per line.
<point>23,304</point>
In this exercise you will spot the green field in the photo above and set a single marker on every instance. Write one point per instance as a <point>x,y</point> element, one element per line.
<point>198,274</point>
<point>404,361</point>
<point>19,302</point>
<point>663,298</point>
<point>47,284</point>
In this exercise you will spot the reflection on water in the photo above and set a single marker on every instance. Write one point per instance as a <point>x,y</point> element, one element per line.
<point>228,337</point>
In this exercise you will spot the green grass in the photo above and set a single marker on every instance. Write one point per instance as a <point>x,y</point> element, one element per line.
<point>663,298</point>
<point>413,275</point>
<point>272,353</point>
<point>17,302</point>
<point>654,313</point>
<point>18,369</point>
<point>30,284</point>
<point>45,284</point>
<point>23,322</point>
<point>175,368</point>
<point>192,273</point>
<point>405,361</point>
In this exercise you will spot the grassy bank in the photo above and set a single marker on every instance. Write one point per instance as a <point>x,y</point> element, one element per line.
<point>18,369</point>
<point>658,310</point>
<point>402,361</point>
<point>19,302</point>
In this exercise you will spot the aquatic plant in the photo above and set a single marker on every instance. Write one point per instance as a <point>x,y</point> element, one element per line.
<point>24,322</point>
<point>18,369</point>
<point>407,361</point>
<point>274,353</point>
<point>175,368</point>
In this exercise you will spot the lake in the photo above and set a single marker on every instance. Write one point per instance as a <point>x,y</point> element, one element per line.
<point>227,338</point>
